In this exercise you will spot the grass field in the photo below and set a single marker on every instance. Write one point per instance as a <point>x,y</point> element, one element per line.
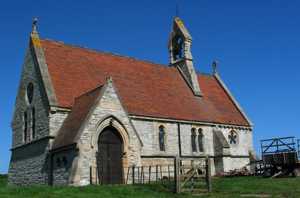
<point>222,187</point>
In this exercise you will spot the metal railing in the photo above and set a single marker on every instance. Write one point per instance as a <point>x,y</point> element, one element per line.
<point>278,145</point>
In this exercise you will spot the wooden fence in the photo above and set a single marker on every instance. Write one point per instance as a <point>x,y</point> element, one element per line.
<point>182,176</point>
<point>149,174</point>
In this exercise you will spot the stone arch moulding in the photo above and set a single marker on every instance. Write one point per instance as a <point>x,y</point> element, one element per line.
<point>113,122</point>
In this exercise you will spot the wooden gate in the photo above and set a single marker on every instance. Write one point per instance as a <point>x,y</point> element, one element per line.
<point>181,175</point>
<point>194,177</point>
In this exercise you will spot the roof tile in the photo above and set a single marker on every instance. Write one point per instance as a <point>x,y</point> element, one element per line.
<point>145,88</point>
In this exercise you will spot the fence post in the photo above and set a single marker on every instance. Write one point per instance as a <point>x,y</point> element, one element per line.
<point>169,175</point>
<point>177,174</point>
<point>208,174</point>
<point>128,170</point>
<point>138,175</point>
<point>142,174</point>
<point>156,170</point>
<point>161,173</point>
<point>91,176</point>
<point>149,174</point>
<point>96,170</point>
<point>133,176</point>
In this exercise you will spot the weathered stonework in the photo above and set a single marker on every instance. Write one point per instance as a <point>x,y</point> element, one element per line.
<point>56,119</point>
<point>63,166</point>
<point>181,40</point>
<point>29,164</point>
<point>108,106</point>
<point>30,74</point>
<point>74,162</point>
<point>148,131</point>
<point>30,168</point>
<point>223,158</point>
<point>186,143</point>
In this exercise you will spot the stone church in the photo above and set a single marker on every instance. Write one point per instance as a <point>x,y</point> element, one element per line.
<point>79,110</point>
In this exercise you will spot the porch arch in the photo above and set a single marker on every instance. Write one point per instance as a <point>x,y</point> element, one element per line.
<point>110,121</point>
<point>101,130</point>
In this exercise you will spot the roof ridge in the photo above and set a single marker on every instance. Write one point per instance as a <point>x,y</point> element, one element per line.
<point>87,92</point>
<point>105,52</point>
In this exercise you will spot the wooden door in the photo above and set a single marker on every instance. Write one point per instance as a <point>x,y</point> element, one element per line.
<point>110,152</point>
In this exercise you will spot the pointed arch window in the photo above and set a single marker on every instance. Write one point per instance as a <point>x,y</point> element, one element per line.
<point>161,138</point>
<point>193,140</point>
<point>29,117</point>
<point>29,92</point>
<point>200,140</point>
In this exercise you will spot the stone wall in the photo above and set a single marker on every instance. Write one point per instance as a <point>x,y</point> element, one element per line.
<point>231,163</point>
<point>28,162</point>
<point>29,165</point>
<point>186,143</point>
<point>30,74</point>
<point>108,106</point>
<point>56,119</point>
<point>62,164</point>
<point>235,154</point>
<point>244,144</point>
<point>148,131</point>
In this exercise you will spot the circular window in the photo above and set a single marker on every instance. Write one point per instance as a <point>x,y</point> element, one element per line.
<point>29,92</point>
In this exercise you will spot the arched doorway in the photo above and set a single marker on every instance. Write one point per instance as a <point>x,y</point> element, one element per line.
<point>109,157</point>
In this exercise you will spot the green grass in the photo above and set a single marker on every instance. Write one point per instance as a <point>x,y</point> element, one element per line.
<point>222,187</point>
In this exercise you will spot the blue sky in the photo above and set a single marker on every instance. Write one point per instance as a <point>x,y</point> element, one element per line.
<point>256,42</point>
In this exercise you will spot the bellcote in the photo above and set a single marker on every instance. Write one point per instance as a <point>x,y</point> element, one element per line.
<point>180,43</point>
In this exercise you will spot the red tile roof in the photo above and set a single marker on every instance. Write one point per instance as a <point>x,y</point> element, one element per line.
<point>68,132</point>
<point>145,88</point>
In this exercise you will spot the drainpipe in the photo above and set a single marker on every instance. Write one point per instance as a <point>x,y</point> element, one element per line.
<point>179,139</point>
